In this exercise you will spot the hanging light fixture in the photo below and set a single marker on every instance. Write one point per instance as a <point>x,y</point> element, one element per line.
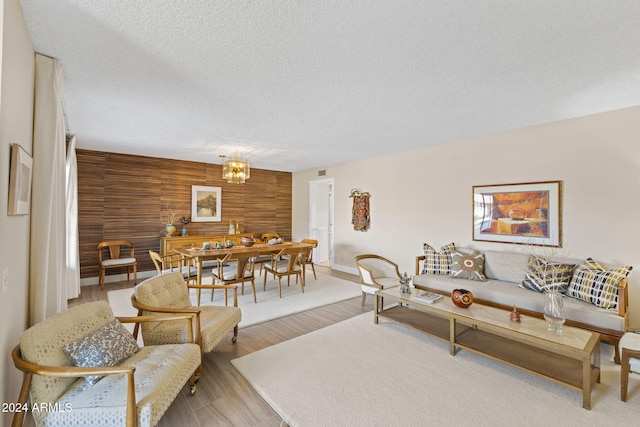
<point>235,171</point>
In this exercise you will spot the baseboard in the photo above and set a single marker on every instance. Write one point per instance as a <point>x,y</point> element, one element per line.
<point>345,269</point>
<point>88,281</point>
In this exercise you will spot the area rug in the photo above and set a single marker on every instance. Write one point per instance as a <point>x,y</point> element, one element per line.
<point>355,373</point>
<point>317,293</point>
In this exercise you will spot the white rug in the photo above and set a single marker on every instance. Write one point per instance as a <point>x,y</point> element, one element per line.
<point>325,290</point>
<point>355,373</point>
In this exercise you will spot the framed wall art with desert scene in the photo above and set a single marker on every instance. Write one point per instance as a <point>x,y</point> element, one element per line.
<point>526,213</point>
<point>206,203</point>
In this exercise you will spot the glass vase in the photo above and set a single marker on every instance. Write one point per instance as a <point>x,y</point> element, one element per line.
<point>554,310</point>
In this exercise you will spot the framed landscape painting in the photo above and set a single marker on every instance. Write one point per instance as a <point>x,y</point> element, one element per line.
<point>526,213</point>
<point>206,204</point>
<point>19,181</point>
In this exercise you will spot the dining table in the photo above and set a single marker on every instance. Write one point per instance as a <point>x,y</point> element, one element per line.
<point>199,255</point>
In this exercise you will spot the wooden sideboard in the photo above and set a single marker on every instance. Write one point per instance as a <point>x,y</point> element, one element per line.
<point>167,244</point>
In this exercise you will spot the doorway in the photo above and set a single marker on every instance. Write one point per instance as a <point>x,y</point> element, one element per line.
<point>321,219</point>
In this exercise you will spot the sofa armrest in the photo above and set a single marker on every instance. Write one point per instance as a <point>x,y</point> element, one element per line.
<point>190,316</point>
<point>418,259</point>
<point>71,371</point>
<point>623,298</point>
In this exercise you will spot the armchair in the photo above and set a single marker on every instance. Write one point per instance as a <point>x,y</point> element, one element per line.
<point>168,293</point>
<point>134,391</point>
<point>114,260</point>
<point>376,272</point>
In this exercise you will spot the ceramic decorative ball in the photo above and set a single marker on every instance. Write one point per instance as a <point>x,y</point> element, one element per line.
<point>462,297</point>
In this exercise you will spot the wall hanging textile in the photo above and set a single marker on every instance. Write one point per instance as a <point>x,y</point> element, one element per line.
<point>360,219</point>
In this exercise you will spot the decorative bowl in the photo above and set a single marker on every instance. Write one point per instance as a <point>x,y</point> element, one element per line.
<point>248,241</point>
<point>462,297</point>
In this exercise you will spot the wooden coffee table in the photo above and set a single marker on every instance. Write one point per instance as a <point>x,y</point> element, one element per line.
<point>571,359</point>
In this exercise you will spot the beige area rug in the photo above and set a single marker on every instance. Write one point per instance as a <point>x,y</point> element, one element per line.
<point>355,373</point>
<point>326,290</point>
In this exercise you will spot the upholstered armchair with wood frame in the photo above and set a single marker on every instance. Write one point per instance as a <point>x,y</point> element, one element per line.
<point>236,268</point>
<point>113,248</point>
<point>168,293</point>
<point>629,359</point>
<point>174,262</point>
<point>288,262</point>
<point>376,272</point>
<point>82,361</point>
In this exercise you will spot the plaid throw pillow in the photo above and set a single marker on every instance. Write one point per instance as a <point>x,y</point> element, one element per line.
<point>592,283</point>
<point>543,274</point>
<point>437,262</point>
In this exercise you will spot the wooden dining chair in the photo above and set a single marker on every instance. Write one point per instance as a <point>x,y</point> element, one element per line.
<point>174,262</point>
<point>265,237</point>
<point>308,259</point>
<point>287,262</point>
<point>236,268</point>
<point>109,256</point>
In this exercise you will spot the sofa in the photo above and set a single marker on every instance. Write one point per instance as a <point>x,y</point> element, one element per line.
<point>83,367</point>
<point>503,279</point>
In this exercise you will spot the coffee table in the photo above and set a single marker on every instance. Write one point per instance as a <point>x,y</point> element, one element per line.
<point>571,358</point>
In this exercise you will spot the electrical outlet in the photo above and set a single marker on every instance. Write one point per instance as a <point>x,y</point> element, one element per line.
<point>5,280</point>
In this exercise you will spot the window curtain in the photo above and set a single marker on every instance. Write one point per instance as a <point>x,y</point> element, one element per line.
<point>48,268</point>
<point>72,240</point>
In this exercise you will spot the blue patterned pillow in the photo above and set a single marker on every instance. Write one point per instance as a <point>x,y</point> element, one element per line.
<point>108,346</point>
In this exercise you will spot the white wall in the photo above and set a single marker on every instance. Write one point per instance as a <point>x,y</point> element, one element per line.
<point>424,195</point>
<point>16,123</point>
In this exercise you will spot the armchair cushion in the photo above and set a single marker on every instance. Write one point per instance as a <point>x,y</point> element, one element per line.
<point>108,346</point>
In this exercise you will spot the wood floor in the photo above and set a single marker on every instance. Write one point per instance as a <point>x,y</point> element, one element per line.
<point>224,397</point>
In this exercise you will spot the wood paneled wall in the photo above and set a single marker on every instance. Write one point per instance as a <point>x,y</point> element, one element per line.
<point>122,196</point>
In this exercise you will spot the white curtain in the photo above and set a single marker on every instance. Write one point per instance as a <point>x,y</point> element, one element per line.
<point>48,284</point>
<point>73,243</point>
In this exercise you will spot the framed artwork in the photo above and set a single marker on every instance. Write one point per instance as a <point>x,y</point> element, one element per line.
<point>206,204</point>
<point>19,181</point>
<point>527,213</point>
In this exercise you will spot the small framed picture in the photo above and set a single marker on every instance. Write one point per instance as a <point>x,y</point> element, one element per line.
<point>206,204</point>
<point>19,182</point>
<point>527,213</point>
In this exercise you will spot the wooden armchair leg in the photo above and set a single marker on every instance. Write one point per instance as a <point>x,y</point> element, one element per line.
<point>364,296</point>
<point>624,375</point>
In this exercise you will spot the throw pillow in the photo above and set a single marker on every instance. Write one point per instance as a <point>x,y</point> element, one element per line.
<point>543,274</point>
<point>468,266</point>
<point>437,262</point>
<point>591,282</point>
<point>108,346</point>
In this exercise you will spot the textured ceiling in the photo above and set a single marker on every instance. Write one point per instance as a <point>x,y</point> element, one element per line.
<point>295,85</point>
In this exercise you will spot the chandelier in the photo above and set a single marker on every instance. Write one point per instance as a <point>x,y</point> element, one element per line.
<point>235,171</point>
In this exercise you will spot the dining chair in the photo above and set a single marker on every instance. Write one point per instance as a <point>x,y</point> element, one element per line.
<point>236,268</point>
<point>264,259</point>
<point>280,266</point>
<point>265,237</point>
<point>629,359</point>
<point>308,259</point>
<point>174,262</point>
<point>376,272</point>
<point>109,256</point>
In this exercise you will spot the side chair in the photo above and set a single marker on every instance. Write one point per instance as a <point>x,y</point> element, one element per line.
<point>174,262</point>
<point>113,249</point>
<point>292,264</point>
<point>308,259</point>
<point>376,272</point>
<point>236,268</point>
<point>629,359</point>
